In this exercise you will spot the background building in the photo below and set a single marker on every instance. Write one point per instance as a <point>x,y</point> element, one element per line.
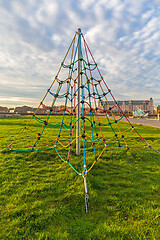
<point>129,106</point>
<point>4,110</point>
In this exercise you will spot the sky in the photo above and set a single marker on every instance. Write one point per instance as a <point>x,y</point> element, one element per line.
<point>123,35</point>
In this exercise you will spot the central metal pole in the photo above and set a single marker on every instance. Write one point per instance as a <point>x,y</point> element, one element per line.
<point>86,193</point>
<point>78,114</point>
<point>78,110</point>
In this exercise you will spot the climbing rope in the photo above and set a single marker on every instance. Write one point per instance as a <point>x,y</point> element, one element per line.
<point>94,103</point>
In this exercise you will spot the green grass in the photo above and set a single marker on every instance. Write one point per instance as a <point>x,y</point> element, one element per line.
<point>43,198</point>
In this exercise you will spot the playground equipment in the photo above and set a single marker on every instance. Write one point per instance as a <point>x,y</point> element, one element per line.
<point>81,131</point>
<point>140,113</point>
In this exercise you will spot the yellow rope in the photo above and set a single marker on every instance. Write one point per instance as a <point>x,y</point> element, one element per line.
<point>113,115</point>
<point>47,91</point>
<point>97,159</point>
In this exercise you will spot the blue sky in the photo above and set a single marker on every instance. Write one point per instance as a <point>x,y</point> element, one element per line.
<point>123,35</point>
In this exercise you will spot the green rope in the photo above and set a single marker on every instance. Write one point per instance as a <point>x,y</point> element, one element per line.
<point>67,162</point>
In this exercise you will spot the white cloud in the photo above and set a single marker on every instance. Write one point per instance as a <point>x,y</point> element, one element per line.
<point>86,4</point>
<point>124,37</point>
<point>47,12</point>
<point>147,15</point>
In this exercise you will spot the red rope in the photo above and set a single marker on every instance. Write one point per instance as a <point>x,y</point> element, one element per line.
<point>112,94</point>
<point>92,86</point>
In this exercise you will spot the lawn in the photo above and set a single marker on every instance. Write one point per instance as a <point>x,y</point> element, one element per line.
<point>41,197</point>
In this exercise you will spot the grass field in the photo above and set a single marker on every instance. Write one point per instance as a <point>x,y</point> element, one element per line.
<point>41,197</point>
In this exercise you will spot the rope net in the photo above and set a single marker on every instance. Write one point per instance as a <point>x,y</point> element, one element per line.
<point>99,127</point>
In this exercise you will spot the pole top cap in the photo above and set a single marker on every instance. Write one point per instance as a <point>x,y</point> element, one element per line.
<point>79,30</point>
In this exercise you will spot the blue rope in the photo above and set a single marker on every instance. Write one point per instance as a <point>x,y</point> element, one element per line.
<point>67,98</point>
<point>88,88</point>
<point>84,153</point>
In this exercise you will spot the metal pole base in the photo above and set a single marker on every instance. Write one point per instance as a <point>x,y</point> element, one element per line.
<point>87,202</point>
<point>86,194</point>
